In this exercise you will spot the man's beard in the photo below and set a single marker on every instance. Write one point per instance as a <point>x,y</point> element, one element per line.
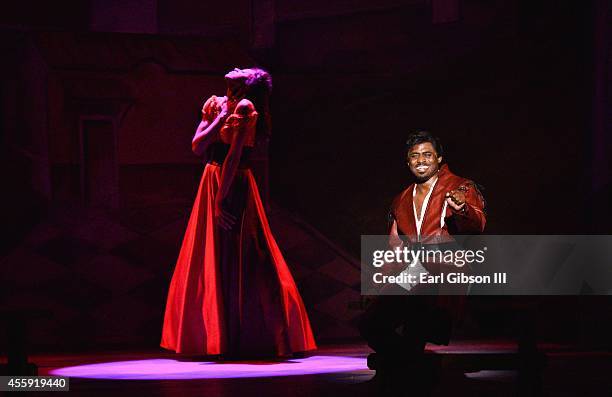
<point>423,179</point>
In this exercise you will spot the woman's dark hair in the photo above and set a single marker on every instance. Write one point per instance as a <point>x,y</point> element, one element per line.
<point>259,87</point>
<point>422,136</point>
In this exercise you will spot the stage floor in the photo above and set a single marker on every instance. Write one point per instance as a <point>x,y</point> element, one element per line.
<point>334,370</point>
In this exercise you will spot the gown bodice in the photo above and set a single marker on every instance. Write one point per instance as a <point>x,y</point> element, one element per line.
<point>242,119</point>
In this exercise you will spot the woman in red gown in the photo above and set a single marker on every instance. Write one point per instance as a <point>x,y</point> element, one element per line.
<point>232,293</point>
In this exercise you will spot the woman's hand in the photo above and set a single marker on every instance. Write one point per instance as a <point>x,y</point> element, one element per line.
<point>209,127</point>
<point>223,111</point>
<point>223,218</point>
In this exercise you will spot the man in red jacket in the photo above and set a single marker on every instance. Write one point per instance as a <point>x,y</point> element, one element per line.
<point>430,211</point>
<point>440,203</point>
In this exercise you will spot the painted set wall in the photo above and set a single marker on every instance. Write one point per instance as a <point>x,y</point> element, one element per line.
<point>507,85</point>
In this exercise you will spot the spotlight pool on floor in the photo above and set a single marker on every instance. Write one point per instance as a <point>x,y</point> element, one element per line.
<point>176,369</point>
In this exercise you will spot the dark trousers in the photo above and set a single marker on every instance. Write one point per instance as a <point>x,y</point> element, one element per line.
<point>398,326</point>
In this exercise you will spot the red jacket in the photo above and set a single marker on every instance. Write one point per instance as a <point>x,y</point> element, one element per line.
<point>440,221</point>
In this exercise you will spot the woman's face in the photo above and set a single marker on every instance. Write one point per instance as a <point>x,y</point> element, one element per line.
<point>238,75</point>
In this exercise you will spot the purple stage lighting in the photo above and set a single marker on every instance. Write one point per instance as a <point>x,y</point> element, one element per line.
<point>174,369</point>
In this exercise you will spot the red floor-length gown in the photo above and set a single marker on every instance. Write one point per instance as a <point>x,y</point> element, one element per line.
<point>232,292</point>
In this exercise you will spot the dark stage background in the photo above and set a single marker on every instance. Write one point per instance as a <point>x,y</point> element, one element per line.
<point>100,100</point>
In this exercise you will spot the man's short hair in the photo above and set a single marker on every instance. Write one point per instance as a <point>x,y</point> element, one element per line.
<point>422,136</point>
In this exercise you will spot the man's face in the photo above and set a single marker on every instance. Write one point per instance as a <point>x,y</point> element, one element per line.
<point>423,161</point>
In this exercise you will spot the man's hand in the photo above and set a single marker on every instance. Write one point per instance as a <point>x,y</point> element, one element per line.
<point>456,198</point>
<point>393,269</point>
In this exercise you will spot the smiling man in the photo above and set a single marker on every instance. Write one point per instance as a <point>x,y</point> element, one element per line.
<point>436,206</point>
<point>440,203</point>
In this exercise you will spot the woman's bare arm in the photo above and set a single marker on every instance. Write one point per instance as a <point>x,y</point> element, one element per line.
<point>206,131</point>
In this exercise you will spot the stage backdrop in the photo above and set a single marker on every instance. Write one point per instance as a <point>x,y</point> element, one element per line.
<point>99,105</point>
